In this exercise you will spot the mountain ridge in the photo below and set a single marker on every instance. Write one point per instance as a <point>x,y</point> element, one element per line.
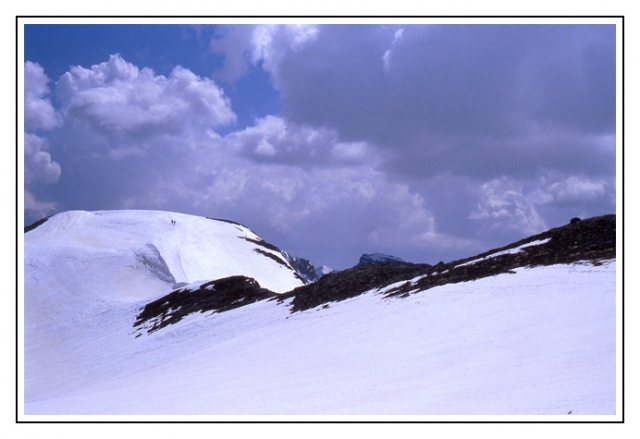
<point>591,240</point>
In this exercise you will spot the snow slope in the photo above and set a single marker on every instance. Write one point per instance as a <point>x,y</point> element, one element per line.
<point>118,247</point>
<point>540,341</point>
<point>84,268</point>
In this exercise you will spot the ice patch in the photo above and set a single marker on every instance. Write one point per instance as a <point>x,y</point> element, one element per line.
<point>151,258</point>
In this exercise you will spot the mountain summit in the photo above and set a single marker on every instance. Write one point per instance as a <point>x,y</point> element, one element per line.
<point>94,258</point>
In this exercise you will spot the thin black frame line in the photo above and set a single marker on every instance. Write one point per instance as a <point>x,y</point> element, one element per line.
<point>18,17</point>
<point>319,16</point>
<point>622,208</point>
<point>16,216</point>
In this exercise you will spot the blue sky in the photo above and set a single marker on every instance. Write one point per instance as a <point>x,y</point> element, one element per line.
<point>428,142</point>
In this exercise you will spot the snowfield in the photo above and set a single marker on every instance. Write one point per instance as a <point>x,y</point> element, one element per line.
<point>540,341</point>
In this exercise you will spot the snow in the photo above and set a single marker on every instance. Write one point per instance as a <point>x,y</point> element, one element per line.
<point>540,341</point>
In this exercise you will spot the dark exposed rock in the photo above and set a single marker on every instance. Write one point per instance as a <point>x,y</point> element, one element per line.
<point>226,221</point>
<point>336,286</point>
<point>271,256</point>
<point>262,243</point>
<point>36,224</point>
<point>216,296</point>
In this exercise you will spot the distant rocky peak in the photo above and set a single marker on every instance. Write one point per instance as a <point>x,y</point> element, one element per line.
<point>377,258</point>
<point>303,267</point>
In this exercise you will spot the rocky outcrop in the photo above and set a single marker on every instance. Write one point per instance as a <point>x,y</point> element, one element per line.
<point>303,267</point>
<point>336,286</point>
<point>591,240</point>
<point>377,258</point>
<point>215,296</point>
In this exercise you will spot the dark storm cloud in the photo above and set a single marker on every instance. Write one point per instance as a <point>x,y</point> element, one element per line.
<point>521,157</point>
<point>455,79</point>
<point>447,95</point>
<point>434,81</point>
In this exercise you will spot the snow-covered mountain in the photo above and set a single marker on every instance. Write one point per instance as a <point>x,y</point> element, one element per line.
<point>322,270</point>
<point>83,263</point>
<point>158,248</point>
<point>129,313</point>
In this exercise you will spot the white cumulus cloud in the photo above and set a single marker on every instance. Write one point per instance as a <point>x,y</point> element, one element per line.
<point>38,166</point>
<point>38,110</point>
<point>116,98</point>
<point>39,115</point>
<point>577,188</point>
<point>504,206</point>
<point>276,140</point>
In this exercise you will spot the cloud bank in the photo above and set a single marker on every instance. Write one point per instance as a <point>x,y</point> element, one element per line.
<point>424,141</point>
